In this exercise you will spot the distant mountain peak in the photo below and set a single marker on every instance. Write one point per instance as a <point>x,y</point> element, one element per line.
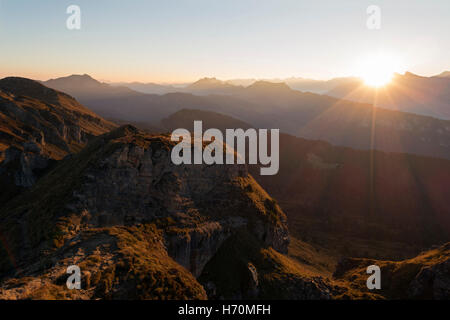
<point>267,85</point>
<point>211,85</point>
<point>410,74</point>
<point>83,76</point>
<point>209,80</point>
<point>83,85</point>
<point>76,78</point>
<point>207,83</point>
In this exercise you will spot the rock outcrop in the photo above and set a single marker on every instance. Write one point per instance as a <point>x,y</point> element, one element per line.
<point>125,180</point>
<point>426,276</point>
<point>432,281</point>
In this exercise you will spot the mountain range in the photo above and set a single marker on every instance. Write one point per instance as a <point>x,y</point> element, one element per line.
<point>428,96</point>
<point>108,199</point>
<point>274,105</point>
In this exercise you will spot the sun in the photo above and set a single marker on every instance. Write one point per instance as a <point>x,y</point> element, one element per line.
<point>377,78</point>
<point>377,70</point>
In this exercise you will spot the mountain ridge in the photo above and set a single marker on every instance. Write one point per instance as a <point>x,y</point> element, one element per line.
<point>308,115</point>
<point>408,92</point>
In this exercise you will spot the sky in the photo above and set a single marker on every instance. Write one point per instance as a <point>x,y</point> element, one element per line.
<point>180,41</point>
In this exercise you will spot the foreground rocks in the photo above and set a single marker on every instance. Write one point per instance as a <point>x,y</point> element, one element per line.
<point>121,201</point>
<point>426,276</point>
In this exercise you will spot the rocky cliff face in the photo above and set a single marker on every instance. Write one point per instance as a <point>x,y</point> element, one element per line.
<point>137,183</point>
<point>433,280</point>
<point>125,180</point>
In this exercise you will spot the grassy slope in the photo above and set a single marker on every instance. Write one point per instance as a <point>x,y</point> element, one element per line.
<point>396,276</point>
<point>117,263</point>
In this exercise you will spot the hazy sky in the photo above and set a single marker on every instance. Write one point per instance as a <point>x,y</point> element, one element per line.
<point>183,40</point>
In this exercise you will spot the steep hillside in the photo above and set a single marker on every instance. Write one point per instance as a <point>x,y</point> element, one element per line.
<point>31,111</point>
<point>426,276</point>
<point>39,125</point>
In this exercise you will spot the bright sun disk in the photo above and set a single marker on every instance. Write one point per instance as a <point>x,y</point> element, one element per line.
<point>378,70</point>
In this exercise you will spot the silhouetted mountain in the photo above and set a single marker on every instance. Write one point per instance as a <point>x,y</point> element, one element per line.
<point>150,88</point>
<point>268,105</point>
<point>301,84</point>
<point>266,88</point>
<point>84,87</point>
<point>428,96</point>
<point>321,86</point>
<point>208,86</point>
<point>343,122</point>
<point>127,105</point>
<point>203,86</point>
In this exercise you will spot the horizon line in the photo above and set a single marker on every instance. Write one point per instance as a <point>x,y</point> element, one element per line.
<point>278,79</point>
